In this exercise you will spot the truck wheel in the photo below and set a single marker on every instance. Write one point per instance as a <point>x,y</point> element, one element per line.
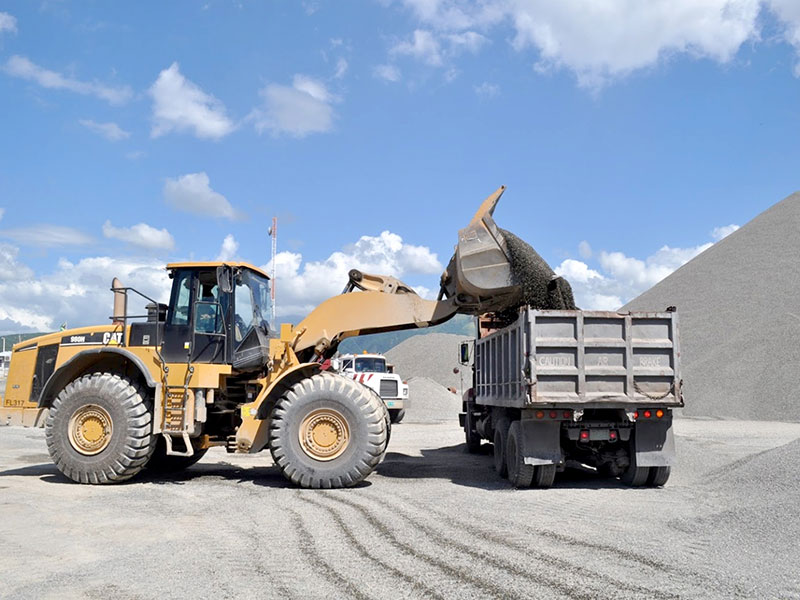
<point>161,462</point>
<point>519,474</point>
<point>544,476</point>
<point>658,476</point>
<point>397,414</point>
<point>635,476</point>
<point>328,432</point>
<point>473,438</point>
<point>99,429</point>
<point>500,440</point>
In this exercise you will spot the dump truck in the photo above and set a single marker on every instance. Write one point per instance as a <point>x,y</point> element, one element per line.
<point>157,390</point>
<point>373,371</point>
<point>588,387</point>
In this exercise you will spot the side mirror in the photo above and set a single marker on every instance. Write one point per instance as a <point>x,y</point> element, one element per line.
<point>224,279</point>
<point>464,353</point>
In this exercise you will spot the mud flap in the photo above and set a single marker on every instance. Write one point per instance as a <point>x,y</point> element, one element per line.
<point>654,443</point>
<point>542,442</point>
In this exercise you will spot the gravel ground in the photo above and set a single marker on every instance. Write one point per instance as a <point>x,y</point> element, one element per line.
<point>433,355</point>
<point>431,402</point>
<point>740,320</point>
<point>432,522</point>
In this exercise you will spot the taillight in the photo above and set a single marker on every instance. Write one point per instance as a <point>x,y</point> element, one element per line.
<point>659,413</point>
<point>540,414</point>
<point>612,435</point>
<point>553,414</point>
<point>585,435</point>
<point>635,415</point>
<point>567,414</point>
<point>647,414</point>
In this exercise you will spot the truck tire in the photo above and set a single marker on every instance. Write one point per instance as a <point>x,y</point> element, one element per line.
<point>328,432</point>
<point>519,474</point>
<point>544,476</point>
<point>471,434</point>
<point>635,476</point>
<point>99,429</point>
<point>658,476</point>
<point>161,462</point>
<point>500,440</point>
<point>397,414</point>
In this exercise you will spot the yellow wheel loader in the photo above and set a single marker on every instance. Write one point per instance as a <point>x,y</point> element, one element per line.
<point>205,370</point>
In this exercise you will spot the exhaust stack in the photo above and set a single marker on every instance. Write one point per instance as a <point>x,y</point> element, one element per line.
<point>120,302</point>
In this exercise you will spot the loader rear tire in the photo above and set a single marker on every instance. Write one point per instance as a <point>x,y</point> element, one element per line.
<point>328,432</point>
<point>519,474</point>
<point>397,414</point>
<point>161,462</point>
<point>99,429</point>
<point>500,439</point>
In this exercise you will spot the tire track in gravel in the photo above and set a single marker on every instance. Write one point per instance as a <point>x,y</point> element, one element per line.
<point>367,555</point>
<point>579,571</point>
<point>316,559</point>
<point>571,541</point>
<point>508,568</point>
<point>457,573</point>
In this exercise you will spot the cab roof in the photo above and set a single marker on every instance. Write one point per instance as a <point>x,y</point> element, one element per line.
<point>210,264</point>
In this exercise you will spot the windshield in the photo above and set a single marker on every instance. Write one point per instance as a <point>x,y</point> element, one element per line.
<point>252,300</point>
<point>370,364</point>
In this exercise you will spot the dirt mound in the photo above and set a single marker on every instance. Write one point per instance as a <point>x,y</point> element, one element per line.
<point>434,356</point>
<point>431,402</point>
<point>740,320</point>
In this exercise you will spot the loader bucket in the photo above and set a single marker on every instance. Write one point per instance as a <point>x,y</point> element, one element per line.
<point>479,274</point>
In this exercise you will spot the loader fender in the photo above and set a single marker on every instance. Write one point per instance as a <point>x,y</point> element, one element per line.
<point>541,442</point>
<point>83,362</point>
<point>654,443</point>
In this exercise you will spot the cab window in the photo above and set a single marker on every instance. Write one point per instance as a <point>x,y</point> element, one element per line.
<point>181,299</point>
<point>371,365</point>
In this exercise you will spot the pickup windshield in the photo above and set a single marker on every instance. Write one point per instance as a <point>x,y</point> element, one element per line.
<point>370,365</point>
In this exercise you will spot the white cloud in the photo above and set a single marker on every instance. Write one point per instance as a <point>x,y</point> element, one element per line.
<point>341,68</point>
<point>621,278</point>
<point>192,193</point>
<point>47,236</point>
<point>387,73</point>
<point>788,11</point>
<point>8,23</point>
<point>22,67</point>
<point>603,40</point>
<point>180,105</point>
<point>585,249</point>
<point>228,249</point>
<point>468,41</point>
<point>75,293</point>
<point>300,286</point>
<point>299,110</point>
<point>142,235</point>
<point>487,90</point>
<point>110,131</point>
<point>2,212</point>
<point>422,46</point>
<point>721,232</point>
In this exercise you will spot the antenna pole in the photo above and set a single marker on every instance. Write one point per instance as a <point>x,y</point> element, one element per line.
<point>273,232</point>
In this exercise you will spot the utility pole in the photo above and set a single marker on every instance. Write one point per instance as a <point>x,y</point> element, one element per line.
<point>273,233</point>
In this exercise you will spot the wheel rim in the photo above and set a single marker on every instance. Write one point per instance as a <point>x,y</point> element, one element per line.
<point>90,429</point>
<point>324,434</point>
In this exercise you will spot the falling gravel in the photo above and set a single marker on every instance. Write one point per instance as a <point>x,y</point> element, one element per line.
<point>740,319</point>
<point>541,288</point>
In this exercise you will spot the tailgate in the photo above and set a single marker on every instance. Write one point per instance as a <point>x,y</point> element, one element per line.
<point>598,357</point>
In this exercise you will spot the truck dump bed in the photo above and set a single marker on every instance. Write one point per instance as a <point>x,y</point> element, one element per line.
<point>588,358</point>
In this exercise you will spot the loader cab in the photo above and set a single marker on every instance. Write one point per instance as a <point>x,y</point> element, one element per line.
<point>216,314</point>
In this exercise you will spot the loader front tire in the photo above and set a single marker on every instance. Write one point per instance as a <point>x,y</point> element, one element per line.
<point>99,429</point>
<point>328,432</point>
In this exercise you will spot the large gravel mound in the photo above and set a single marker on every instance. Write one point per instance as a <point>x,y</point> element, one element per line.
<point>431,403</point>
<point>433,356</point>
<point>740,319</point>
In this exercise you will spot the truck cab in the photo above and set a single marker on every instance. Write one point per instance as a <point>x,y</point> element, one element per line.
<point>373,371</point>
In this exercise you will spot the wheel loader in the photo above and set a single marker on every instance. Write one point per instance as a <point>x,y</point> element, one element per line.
<point>157,391</point>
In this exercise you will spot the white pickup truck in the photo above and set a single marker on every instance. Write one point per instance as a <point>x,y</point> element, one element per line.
<point>372,371</point>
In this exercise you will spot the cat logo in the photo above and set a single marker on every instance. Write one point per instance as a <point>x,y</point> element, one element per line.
<point>110,337</point>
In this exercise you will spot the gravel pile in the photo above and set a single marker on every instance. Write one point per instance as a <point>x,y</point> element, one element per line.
<point>431,402</point>
<point>434,356</point>
<point>740,319</point>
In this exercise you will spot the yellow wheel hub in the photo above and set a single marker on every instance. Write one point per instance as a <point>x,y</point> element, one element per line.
<point>90,429</point>
<point>324,434</point>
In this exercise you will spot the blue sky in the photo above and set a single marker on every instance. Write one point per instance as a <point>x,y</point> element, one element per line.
<point>631,135</point>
